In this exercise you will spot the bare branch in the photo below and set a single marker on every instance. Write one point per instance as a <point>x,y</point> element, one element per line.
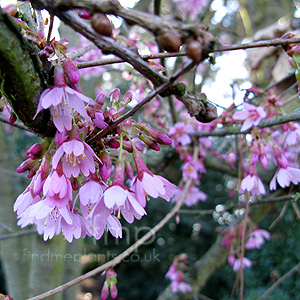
<point>279,281</point>
<point>294,116</point>
<point>124,254</point>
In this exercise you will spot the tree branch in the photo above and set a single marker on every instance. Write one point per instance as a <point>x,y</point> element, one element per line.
<point>279,281</point>
<point>294,116</point>
<point>124,254</point>
<point>21,76</point>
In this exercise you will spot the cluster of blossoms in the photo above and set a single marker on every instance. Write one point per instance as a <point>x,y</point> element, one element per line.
<point>176,274</point>
<point>110,285</point>
<point>60,166</point>
<point>255,240</point>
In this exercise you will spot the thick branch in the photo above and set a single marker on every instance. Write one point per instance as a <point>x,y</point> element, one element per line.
<point>196,105</point>
<point>21,76</point>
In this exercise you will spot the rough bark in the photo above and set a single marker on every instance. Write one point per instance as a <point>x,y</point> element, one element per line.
<point>21,76</point>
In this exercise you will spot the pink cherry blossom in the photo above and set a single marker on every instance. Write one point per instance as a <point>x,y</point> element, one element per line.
<point>192,168</point>
<point>241,263</point>
<point>77,156</point>
<point>193,196</point>
<point>146,182</point>
<point>284,177</point>
<point>91,191</point>
<point>257,238</point>
<point>180,134</point>
<point>252,115</point>
<point>119,197</point>
<point>252,183</point>
<point>57,189</point>
<point>62,101</point>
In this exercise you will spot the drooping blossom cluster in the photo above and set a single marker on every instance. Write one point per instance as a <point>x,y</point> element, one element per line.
<point>61,166</point>
<point>177,275</point>
<point>110,285</point>
<point>255,239</point>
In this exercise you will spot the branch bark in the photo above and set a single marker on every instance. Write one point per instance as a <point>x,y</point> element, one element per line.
<point>21,76</point>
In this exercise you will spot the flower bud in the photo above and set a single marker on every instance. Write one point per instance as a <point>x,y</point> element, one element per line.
<point>193,50</point>
<point>83,14</point>
<point>36,149</point>
<point>102,25</point>
<point>26,165</point>
<point>112,143</point>
<point>10,9</point>
<point>33,170</point>
<point>59,77</point>
<point>149,142</point>
<point>129,170</point>
<point>71,71</point>
<point>168,40</point>
<point>12,118</point>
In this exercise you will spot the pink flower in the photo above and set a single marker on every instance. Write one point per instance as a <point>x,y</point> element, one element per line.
<point>252,183</point>
<point>62,101</point>
<point>252,115</point>
<point>181,287</point>
<point>103,219</point>
<point>193,196</point>
<point>284,177</point>
<point>257,238</point>
<point>146,182</point>
<point>91,191</point>
<point>99,120</point>
<point>77,156</point>
<point>57,189</point>
<point>180,134</point>
<point>192,168</point>
<point>119,197</point>
<point>241,263</point>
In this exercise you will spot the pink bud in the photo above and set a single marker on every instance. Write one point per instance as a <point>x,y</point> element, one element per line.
<point>113,143</point>
<point>26,165</point>
<point>127,146</point>
<point>71,71</point>
<point>105,166</point>
<point>126,98</point>
<point>12,118</point>
<point>59,77</point>
<point>82,13</point>
<point>149,142</point>
<point>113,290</point>
<point>33,170</point>
<point>115,95</point>
<point>36,149</point>
<point>11,9</point>
<point>104,291</point>
<point>99,101</point>
<point>129,170</point>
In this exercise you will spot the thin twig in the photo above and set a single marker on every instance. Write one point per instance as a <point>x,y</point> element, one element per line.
<point>294,116</point>
<point>149,97</point>
<point>231,207</point>
<point>80,52</point>
<point>16,234</point>
<point>124,254</point>
<point>114,60</point>
<point>50,29</point>
<point>279,281</point>
<point>16,124</point>
<point>267,43</point>
<point>279,217</point>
